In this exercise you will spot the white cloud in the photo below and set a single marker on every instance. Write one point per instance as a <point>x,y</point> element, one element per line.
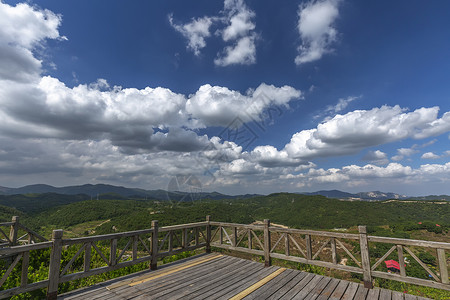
<point>269,157</point>
<point>220,106</point>
<point>243,52</point>
<point>354,131</point>
<point>195,32</point>
<point>404,152</point>
<point>342,104</point>
<point>316,30</point>
<point>239,20</point>
<point>376,157</point>
<point>239,30</point>
<point>429,155</point>
<point>437,127</point>
<point>435,169</point>
<point>23,28</point>
<point>136,120</point>
<point>332,110</point>
<point>27,26</point>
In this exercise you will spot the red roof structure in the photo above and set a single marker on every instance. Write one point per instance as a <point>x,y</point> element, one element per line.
<point>392,264</point>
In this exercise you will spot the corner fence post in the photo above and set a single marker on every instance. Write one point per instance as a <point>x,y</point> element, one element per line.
<point>208,234</point>
<point>14,231</point>
<point>442,265</point>
<point>365,257</point>
<point>154,246</point>
<point>55,264</point>
<point>267,260</point>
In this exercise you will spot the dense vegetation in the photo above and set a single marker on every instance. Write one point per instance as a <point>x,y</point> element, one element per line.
<point>297,211</point>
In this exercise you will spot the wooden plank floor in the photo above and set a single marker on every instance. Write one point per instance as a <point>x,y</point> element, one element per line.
<point>215,276</point>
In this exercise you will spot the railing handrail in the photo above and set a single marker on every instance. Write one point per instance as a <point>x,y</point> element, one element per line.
<point>409,242</point>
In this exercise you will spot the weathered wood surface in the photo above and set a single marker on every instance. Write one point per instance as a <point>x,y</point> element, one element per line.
<point>213,276</point>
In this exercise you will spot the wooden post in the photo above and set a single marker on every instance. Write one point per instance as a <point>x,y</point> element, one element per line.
<point>113,252</point>
<point>401,260</point>
<point>196,236</point>
<point>249,233</point>
<point>184,238</point>
<point>208,234</point>
<point>154,246</point>
<point>286,244</point>
<point>221,234</point>
<point>235,237</point>
<point>267,261</point>
<point>55,265</point>
<point>308,247</point>
<point>135,247</point>
<point>170,246</point>
<point>14,231</point>
<point>87,257</point>
<point>333,251</point>
<point>25,264</point>
<point>365,257</point>
<point>442,265</point>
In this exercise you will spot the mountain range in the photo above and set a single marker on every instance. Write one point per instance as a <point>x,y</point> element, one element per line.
<point>106,190</point>
<point>367,196</point>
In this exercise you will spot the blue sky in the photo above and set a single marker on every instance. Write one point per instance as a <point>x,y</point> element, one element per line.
<point>247,96</point>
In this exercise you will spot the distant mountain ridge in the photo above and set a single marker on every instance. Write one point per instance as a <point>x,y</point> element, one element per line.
<point>367,196</point>
<point>105,190</point>
<point>375,196</point>
<point>94,190</point>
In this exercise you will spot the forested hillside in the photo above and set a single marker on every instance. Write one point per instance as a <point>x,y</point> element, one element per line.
<point>293,210</point>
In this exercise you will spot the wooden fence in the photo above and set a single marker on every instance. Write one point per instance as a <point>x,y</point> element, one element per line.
<point>324,249</point>
<point>19,234</point>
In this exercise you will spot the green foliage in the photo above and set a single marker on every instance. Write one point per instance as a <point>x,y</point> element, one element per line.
<point>172,258</point>
<point>34,203</point>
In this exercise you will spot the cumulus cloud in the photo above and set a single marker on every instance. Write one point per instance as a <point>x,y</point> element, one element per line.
<point>239,20</point>
<point>243,52</point>
<point>269,157</point>
<point>239,30</point>
<point>430,155</point>
<point>371,175</point>
<point>129,117</point>
<point>359,129</point>
<point>316,29</point>
<point>23,28</point>
<point>404,152</point>
<point>148,119</point>
<point>239,26</point>
<point>376,157</point>
<point>195,32</point>
<point>220,106</point>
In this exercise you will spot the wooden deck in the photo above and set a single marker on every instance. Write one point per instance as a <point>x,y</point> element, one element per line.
<point>216,276</point>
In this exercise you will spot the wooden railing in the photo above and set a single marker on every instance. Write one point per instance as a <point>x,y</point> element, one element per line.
<point>124,249</point>
<point>322,249</point>
<point>19,234</point>
<point>119,250</point>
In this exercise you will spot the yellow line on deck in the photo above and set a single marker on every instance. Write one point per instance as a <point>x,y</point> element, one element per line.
<point>152,276</point>
<point>257,285</point>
